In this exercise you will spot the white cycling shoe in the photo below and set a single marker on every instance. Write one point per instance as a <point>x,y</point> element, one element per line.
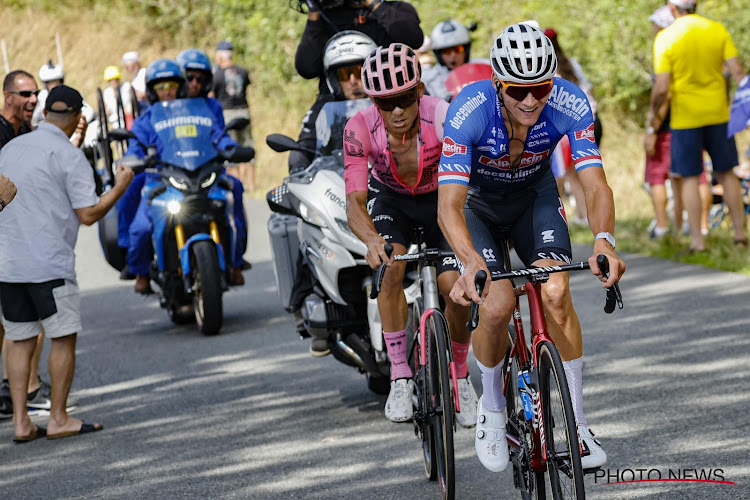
<point>399,406</point>
<point>490,442</point>
<point>596,457</point>
<point>467,398</point>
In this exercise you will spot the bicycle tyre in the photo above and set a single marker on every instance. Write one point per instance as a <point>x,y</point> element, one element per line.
<point>441,393</point>
<point>525,479</point>
<point>422,423</point>
<point>564,469</point>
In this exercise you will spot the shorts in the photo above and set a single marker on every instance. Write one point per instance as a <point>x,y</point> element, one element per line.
<point>534,219</point>
<point>688,145</point>
<point>657,168</point>
<point>396,216</point>
<point>27,307</point>
<point>243,137</point>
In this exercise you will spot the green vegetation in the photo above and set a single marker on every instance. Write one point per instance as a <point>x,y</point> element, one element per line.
<point>611,38</point>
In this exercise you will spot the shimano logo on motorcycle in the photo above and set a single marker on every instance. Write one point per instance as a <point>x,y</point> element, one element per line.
<point>334,198</point>
<point>203,121</point>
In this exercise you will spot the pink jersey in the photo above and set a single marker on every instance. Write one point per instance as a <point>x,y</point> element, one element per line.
<point>366,140</point>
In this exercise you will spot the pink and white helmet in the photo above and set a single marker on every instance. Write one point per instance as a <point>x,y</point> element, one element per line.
<point>390,70</point>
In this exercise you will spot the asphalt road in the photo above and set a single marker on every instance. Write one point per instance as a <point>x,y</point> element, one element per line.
<point>249,414</point>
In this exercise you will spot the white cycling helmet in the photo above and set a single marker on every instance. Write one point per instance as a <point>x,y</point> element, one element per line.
<point>347,48</point>
<point>523,54</point>
<point>449,33</point>
<point>50,72</point>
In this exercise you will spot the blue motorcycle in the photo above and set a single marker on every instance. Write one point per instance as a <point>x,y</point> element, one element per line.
<point>191,207</point>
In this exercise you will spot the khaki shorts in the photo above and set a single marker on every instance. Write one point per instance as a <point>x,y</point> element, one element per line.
<point>27,307</point>
<point>242,137</point>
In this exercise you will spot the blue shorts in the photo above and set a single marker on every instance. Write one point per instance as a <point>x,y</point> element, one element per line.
<point>533,218</point>
<point>688,145</point>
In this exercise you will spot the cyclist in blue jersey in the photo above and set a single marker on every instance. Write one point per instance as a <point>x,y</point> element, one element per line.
<point>495,174</point>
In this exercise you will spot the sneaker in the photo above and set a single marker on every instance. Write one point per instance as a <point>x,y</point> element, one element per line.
<point>399,406</point>
<point>125,274</point>
<point>319,348</point>
<point>490,443</point>
<point>596,456</point>
<point>41,398</point>
<point>467,398</point>
<point>658,233</point>
<point>235,277</point>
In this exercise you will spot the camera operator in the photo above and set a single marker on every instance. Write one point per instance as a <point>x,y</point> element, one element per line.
<point>384,21</point>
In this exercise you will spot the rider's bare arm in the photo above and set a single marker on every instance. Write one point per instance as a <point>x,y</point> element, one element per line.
<point>451,199</point>
<point>600,206</point>
<point>361,225</point>
<point>658,96</point>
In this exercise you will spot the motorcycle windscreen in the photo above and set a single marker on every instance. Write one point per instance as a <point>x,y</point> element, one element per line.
<point>329,126</point>
<point>184,129</point>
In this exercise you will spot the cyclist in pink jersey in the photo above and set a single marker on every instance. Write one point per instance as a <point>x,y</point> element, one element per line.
<point>401,137</point>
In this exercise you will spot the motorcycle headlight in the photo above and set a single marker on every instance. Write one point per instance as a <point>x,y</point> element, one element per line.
<point>173,207</point>
<point>209,180</point>
<point>178,183</point>
<point>311,215</point>
<point>344,226</point>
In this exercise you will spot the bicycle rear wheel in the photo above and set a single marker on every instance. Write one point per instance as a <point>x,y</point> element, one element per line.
<point>441,396</point>
<point>563,450</point>
<point>422,423</point>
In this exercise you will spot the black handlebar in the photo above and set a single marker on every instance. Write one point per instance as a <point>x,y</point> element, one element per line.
<point>613,293</point>
<point>377,279</point>
<point>479,281</point>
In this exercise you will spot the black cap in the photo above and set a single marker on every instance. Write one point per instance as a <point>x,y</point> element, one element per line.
<point>64,99</point>
<point>225,45</point>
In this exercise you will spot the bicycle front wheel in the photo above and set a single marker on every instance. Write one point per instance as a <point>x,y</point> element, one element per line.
<point>564,470</point>
<point>441,395</point>
<point>422,421</point>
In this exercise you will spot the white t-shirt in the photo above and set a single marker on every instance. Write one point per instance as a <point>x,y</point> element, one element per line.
<point>40,227</point>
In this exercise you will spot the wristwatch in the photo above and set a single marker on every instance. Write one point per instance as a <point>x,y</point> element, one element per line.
<point>607,236</point>
<point>650,130</point>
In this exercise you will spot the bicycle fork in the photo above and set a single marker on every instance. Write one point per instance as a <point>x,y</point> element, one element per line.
<point>431,300</point>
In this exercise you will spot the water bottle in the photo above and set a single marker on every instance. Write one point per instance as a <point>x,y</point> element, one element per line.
<point>523,384</point>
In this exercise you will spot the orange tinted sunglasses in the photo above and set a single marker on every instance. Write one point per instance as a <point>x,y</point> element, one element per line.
<point>519,92</point>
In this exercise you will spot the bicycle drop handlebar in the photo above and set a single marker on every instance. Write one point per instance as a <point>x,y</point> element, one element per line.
<point>427,254</point>
<point>614,297</point>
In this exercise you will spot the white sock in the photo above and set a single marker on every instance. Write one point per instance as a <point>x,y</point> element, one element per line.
<point>574,374</point>
<point>492,387</point>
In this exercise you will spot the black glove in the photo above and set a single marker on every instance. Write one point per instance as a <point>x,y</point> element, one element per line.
<point>312,6</point>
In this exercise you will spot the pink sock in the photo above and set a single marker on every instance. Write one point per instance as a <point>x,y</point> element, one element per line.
<point>460,351</point>
<point>396,344</point>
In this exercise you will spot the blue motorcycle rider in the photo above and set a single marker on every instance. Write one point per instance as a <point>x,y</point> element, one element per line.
<point>197,67</point>
<point>165,81</point>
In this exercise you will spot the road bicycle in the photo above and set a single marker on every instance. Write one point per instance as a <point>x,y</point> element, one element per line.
<point>541,429</point>
<point>431,361</point>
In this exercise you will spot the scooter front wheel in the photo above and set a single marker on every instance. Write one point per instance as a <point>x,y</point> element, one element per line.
<point>207,290</point>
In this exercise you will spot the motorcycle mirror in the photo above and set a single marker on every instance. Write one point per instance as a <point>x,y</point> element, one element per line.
<point>120,134</point>
<point>237,124</point>
<point>282,143</point>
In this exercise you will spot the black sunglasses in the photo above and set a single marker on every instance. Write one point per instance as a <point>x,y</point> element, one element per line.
<point>25,93</point>
<point>402,101</point>
<point>199,78</point>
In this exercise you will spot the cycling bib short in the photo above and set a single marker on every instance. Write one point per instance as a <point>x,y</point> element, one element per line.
<point>396,215</point>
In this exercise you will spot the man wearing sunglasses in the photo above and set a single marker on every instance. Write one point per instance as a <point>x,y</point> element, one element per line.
<point>165,81</point>
<point>401,137</point>
<point>199,77</point>
<point>344,54</point>
<point>451,43</point>
<point>495,174</point>
<point>20,92</point>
